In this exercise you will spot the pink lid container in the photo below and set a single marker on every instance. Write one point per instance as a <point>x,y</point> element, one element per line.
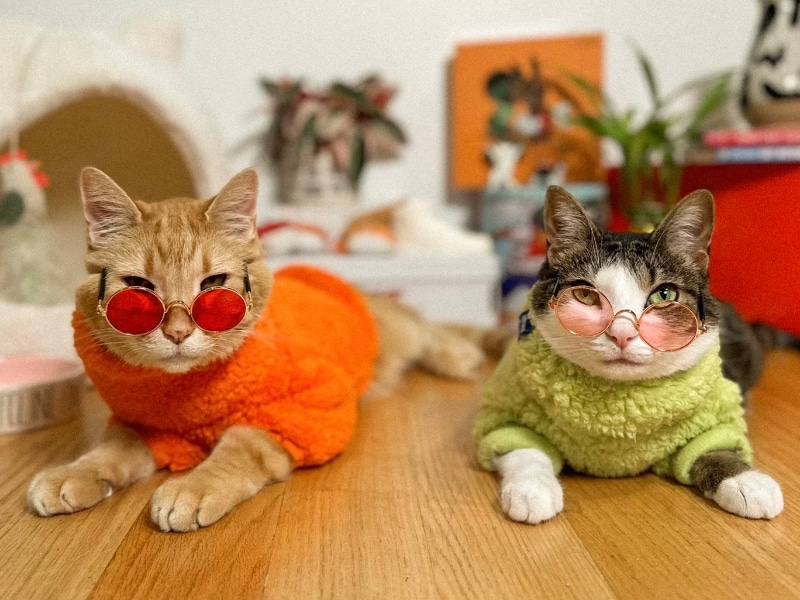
<point>37,391</point>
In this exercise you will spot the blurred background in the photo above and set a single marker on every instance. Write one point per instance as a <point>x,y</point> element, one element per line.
<point>400,143</point>
<point>228,46</point>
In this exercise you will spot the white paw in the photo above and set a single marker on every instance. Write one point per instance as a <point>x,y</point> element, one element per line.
<point>533,500</point>
<point>750,494</point>
<point>189,502</point>
<point>529,489</point>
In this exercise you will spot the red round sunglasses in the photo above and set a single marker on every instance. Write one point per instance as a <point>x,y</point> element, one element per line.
<point>136,310</point>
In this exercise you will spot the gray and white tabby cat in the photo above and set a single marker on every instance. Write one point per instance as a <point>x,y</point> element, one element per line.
<point>609,403</point>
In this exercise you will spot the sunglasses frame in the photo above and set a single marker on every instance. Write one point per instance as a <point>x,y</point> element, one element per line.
<point>700,325</point>
<point>102,303</point>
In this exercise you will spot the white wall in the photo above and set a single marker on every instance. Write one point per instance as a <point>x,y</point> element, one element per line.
<point>228,45</point>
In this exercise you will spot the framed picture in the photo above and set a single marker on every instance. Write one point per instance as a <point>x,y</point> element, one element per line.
<point>519,96</point>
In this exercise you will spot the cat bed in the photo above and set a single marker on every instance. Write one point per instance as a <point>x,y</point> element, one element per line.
<point>114,101</point>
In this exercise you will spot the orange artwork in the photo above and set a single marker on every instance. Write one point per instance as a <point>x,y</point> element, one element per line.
<point>520,92</point>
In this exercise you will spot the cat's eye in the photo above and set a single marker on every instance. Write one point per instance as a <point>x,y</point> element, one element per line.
<point>133,281</point>
<point>213,281</point>
<point>586,296</point>
<point>664,293</point>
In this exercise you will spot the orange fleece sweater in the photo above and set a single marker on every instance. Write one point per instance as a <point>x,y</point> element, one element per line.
<point>297,376</point>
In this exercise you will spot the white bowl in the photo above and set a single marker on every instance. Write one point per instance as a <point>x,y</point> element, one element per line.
<point>37,391</point>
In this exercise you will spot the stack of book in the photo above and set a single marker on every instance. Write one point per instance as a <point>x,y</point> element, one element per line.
<point>756,145</point>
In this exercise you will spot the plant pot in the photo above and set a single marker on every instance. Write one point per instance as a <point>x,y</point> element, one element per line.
<point>313,180</point>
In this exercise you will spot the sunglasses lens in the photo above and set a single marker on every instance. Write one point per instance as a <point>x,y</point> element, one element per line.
<point>134,311</point>
<point>219,309</point>
<point>668,326</point>
<point>584,311</point>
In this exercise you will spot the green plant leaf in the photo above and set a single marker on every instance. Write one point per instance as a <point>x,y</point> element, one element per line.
<point>273,140</point>
<point>657,131</point>
<point>702,82</point>
<point>649,77</point>
<point>357,158</point>
<point>270,86</point>
<point>593,93</point>
<point>620,128</point>
<point>593,124</point>
<point>307,136</point>
<point>716,95</point>
<point>392,128</point>
<point>355,96</point>
<point>656,137</point>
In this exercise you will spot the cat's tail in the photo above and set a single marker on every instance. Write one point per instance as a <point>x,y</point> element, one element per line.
<point>494,341</point>
<point>408,340</point>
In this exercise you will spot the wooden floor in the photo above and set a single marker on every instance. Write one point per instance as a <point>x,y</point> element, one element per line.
<point>405,513</point>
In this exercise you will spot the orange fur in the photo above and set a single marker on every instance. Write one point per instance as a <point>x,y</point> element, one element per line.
<point>298,377</point>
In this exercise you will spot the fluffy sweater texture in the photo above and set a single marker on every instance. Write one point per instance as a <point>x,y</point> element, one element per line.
<point>297,376</point>
<point>536,399</point>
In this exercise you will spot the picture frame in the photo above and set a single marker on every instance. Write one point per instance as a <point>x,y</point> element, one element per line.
<point>520,91</point>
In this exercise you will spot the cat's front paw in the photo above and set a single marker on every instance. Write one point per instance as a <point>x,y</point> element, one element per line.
<point>750,494</point>
<point>66,489</point>
<point>529,489</point>
<point>533,500</point>
<point>189,502</point>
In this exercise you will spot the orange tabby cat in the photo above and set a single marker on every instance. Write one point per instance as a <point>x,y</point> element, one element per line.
<point>205,305</point>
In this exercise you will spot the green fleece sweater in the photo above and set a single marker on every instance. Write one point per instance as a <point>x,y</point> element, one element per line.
<point>536,399</point>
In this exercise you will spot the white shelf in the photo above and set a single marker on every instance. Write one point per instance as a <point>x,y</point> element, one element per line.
<point>462,289</point>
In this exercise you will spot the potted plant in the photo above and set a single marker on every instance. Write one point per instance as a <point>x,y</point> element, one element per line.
<point>653,146</point>
<point>320,140</point>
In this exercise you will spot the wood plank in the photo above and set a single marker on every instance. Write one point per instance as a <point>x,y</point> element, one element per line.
<point>227,560</point>
<point>476,551</point>
<point>417,519</point>
<point>406,513</point>
<point>63,556</point>
<point>59,557</point>
<point>352,528</point>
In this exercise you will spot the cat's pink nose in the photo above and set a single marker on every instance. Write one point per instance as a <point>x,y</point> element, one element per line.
<point>177,325</point>
<point>622,331</point>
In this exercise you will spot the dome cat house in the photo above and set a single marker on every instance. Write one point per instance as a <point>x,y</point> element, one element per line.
<point>72,98</point>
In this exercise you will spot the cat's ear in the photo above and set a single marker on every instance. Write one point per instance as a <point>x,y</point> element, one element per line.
<point>234,208</point>
<point>567,226</point>
<point>687,228</point>
<point>107,208</point>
